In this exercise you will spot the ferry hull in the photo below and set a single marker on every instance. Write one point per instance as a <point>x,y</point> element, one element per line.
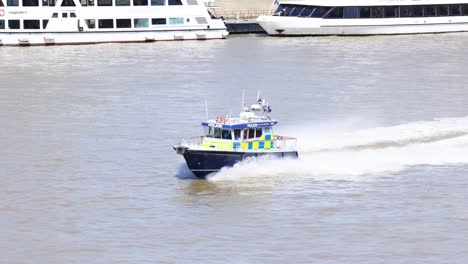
<point>71,38</point>
<point>202,163</point>
<point>295,26</point>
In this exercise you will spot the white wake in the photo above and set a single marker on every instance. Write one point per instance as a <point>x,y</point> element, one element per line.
<point>333,155</point>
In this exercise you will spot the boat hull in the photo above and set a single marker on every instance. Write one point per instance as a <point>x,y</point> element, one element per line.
<point>297,26</point>
<point>202,163</point>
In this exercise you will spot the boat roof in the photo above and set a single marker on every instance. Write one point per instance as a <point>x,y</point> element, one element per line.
<point>371,2</point>
<point>241,123</point>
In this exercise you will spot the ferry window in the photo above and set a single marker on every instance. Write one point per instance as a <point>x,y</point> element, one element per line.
<point>87,2</point>
<point>417,11</point>
<point>158,2</point>
<point>192,2</point>
<point>377,12</point>
<point>141,22</point>
<point>106,23</point>
<point>251,133</point>
<point>104,2</point>
<point>455,10</point>
<point>430,11</point>
<point>337,12</point>
<point>54,15</point>
<point>237,134</point>
<point>123,23</point>
<point>351,12</point>
<point>258,132</point>
<point>158,21</point>
<point>365,12</point>
<point>32,24</point>
<point>307,11</point>
<point>90,23</point>
<point>14,24</point>
<point>320,11</point>
<point>2,24</point>
<point>12,2</point>
<point>297,10</point>
<point>201,20</point>
<point>465,9</point>
<point>72,14</point>
<point>226,134</point>
<point>209,132</point>
<point>443,10</point>
<point>44,23</point>
<point>176,20</point>
<point>68,3</point>
<point>174,2</point>
<point>64,15</point>
<point>217,132</point>
<point>122,2</point>
<point>140,2</point>
<point>30,2</point>
<point>391,11</point>
<point>406,11</point>
<point>48,2</point>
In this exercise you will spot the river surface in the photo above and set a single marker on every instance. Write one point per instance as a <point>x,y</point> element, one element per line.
<point>88,173</point>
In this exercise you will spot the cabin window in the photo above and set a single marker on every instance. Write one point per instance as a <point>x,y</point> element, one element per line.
<point>465,9</point>
<point>418,11</point>
<point>455,10</point>
<point>12,2</point>
<point>44,23</point>
<point>217,132</point>
<point>176,20</point>
<point>226,134</point>
<point>123,23</point>
<point>430,11</point>
<point>406,11</point>
<point>174,2</point>
<point>106,23</point>
<point>192,2</point>
<point>296,11</point>
<point>1,3</point>
<point>72,14</point>
<point>122,2</point>
<point>87,2</point>
<point>209,132</point>
<point>336,12</point>
<point>90,23</point>
<point>158,21</point>
<point>258,132</point>
<point>320,11</point>
<point>104,2</point>
<point>32,24</point>
<point>307,11</point>
<point>140,2</point>
<point>377,12</point>
<point>443,10</point>
<point>201,20</point>
<point>2,24</point>
<point>237,134</point>
<point>30,2</point>
<point>351,12</point>
<point>141,22</point>
<point>158,2</point>
<point>68,3</point>
<point>64,15</point>
<point>48,2</point>
<point>14,24</point>
<point>364,12</point>
<point>391,11</point>
<point>54,15</point>
<point>251,133</point>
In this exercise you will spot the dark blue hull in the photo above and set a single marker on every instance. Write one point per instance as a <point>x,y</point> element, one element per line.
<point>202,163</point>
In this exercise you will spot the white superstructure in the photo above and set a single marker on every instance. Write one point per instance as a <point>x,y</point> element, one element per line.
<point>366,17</point>
<point>50,22</point>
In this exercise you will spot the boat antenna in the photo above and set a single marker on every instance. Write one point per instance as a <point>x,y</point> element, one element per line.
<point>206,108</point>
<point>258,95</point>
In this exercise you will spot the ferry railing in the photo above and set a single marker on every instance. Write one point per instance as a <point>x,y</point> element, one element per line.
<point>282,142</point>
<point>242,15</point>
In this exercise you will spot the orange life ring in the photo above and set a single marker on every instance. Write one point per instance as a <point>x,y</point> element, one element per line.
<point>2,12</point>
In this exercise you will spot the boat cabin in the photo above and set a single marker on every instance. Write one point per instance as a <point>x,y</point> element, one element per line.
<point>238,134</point>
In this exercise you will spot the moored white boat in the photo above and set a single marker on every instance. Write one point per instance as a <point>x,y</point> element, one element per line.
<point>50,22</point>
<point>366,17</point>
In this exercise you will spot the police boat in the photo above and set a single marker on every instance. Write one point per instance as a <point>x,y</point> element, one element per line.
<point>227,141</point>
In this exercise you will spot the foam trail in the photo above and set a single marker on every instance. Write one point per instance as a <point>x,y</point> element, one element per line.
<point>349,155</point>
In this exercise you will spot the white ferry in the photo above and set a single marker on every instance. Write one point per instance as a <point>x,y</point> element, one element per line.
<point>227,141</point>
<point>366,17</point>
<point>50,22</point>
